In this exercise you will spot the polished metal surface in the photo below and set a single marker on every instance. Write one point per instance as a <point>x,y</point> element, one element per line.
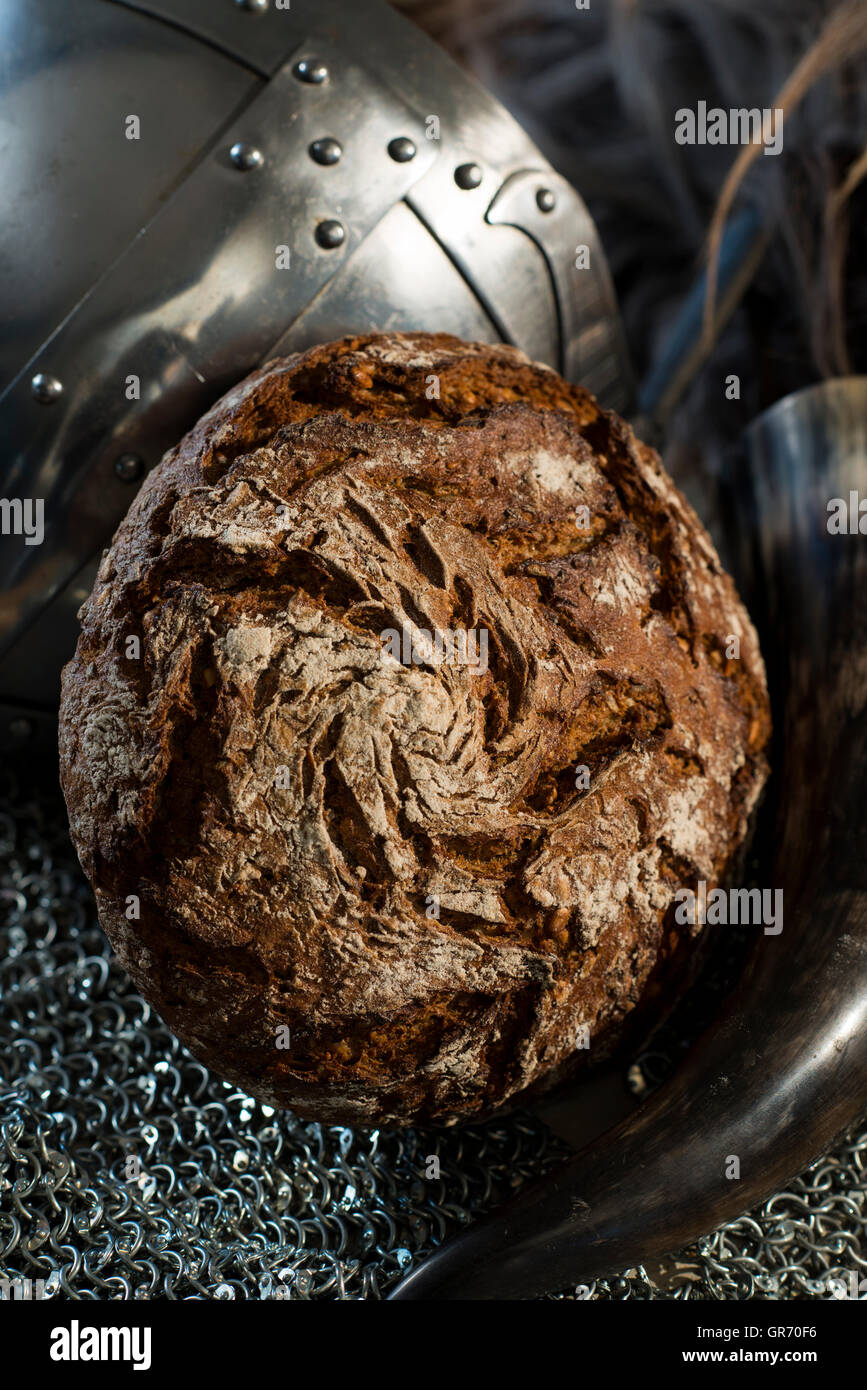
<point>399,263</point>
<point>46,389</point>
<point>168,274</point>
<point>246,156</point>
<point>76,191</point>
<point>311,70</point>
<point>468,176</point>
<point>257,35</point>
<point>402,149</point>
<point>546,207</point>
<point>198,298</point>
<point>329,151</point>
<point>330,233</point>
<point>783,1068</point>
<point>129,467</point>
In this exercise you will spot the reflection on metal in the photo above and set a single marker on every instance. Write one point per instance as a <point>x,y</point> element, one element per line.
<point>176,290</point>
<point>590,348</point>
<point>252,33</point>
<point>76,190</point>
<point>45,388</point>
<point>197,299</point>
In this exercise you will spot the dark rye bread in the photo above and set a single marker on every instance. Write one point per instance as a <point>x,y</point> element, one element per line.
<point>327,498</point>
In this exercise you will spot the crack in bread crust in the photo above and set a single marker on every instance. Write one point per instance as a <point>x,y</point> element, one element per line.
<point>287,802</point>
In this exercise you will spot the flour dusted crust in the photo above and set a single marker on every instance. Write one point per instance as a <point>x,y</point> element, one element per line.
<point>286,803</point>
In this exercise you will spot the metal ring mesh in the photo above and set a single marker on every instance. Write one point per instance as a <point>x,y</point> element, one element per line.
<point>128,1171</point>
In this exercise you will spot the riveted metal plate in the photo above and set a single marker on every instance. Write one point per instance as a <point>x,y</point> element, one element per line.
<point>591,348</point>
<point>399,279</point>
<point>503,265</point>
<point>194,303</point>
<point>190,306</point>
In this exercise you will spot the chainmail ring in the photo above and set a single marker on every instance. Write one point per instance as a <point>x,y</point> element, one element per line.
<point>128,1171</point>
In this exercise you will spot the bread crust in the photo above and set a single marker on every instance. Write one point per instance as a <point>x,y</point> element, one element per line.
<point>289,806</point>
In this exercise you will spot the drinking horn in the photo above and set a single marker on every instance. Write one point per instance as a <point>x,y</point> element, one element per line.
<point>782,1070</point>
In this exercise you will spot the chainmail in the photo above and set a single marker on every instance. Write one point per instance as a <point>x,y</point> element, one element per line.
<point>127,1170</point>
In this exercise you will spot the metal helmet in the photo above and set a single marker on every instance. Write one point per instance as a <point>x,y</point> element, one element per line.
<point>195,186</point>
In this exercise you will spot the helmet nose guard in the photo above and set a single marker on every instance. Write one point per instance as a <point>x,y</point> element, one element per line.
<point>195,186</point>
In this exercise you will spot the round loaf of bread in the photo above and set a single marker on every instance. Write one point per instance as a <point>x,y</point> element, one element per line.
<point>409,693</point>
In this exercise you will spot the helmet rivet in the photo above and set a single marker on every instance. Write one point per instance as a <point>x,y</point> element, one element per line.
<point>253,6</point>
<point>46,389</point>
<point>245,156</point>
<point>330,234</point>
<point>311,70</point>
<point>468,176</point>
<point>128,467</point>
<point>402,149</point>
<point>545,200</point>
<point>326,151</point>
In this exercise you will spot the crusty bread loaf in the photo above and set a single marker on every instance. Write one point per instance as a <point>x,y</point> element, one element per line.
<point>367,879</point>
